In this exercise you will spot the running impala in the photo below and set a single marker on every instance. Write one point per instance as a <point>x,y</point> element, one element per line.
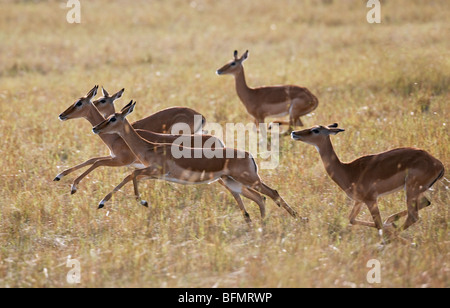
<point>121,155</point>
<point>237,169</point>
<point>372,176</point>
<point>273,101</point>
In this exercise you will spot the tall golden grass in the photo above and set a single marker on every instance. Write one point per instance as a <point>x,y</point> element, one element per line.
<point>387,84</point>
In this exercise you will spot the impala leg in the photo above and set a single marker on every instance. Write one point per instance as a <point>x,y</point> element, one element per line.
<point>247,193</point>
<point>136,191</point>
<point>415,199</point>
<point>258,121</point>
<point>150,171</point>
<point>412,211</point>
<point>413,217</point>
<point>275,196</point>
<point>293,122</point>
<point>288,131</point>
<point>257,198</point>
<point>235,190</point>
<point>393,218</point>
<point>288,123</point>
<point>70,170</point>
<point>376,215</point>
<point>117,188</point>
<point>422,203</point>
<point>238,199</point>
<point>255,183</point>
<point>298,122</point>
<point>298,109</point>
<point>282,122</point>
<point>108,162</point>
<point>354,213</point>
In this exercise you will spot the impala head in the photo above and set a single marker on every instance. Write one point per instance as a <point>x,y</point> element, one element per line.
<point>315,135</point>
<point>234,65</point>
<point>105,104</point>
<point>80,107</point>
<point>114,124</point>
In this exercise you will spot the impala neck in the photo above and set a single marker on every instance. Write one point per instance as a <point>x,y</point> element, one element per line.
<point>136,143</point>
<point>94,116</point>
<point>334,167</point>
<point>242,89</point>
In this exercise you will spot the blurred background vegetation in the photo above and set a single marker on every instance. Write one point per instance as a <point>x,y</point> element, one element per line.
<point>387,84</point>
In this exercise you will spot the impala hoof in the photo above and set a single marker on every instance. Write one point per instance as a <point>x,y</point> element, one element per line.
<point>101,205</point>
<point>144,203</point>
<point>73,190</point>
<point>58,177</point>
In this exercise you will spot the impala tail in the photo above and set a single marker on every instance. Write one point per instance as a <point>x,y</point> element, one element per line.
<point>200,126</point>
<point>254,163</point>
<point>441,174</point>
<point>314,101</point>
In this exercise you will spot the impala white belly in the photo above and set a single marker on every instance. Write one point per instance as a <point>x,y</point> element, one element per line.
<point>186,182</point>
<point>279,115</point>
<point>392,191</point>
<point>138,165</point>
<point>280,109</point>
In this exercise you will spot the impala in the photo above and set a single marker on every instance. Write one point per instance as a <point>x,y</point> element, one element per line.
<point>159,122</point>
<point>369,177</point>
<point>274,101</point>
<point>121,155</point>
<point>237,172</point>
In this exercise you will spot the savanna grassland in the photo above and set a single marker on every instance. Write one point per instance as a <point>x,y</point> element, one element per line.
<point>387,84</point>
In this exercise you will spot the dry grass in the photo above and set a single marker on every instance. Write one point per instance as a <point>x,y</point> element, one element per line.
<point>387,84</point>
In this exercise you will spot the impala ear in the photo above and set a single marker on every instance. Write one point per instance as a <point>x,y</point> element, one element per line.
<point>334,125</point>
<point>118,94</point>
<point>92,93</point>
<point>104,92</point>
<point>335,131</point>
<point>131,108</point>
<point>128,108</point>
<point>244,56</point>
<point>235,54</point>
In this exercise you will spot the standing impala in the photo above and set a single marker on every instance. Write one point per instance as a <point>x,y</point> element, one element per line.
<point>369,177</point>
<point>274,101</point>
<point>237,169</point>
<point>121,155</point>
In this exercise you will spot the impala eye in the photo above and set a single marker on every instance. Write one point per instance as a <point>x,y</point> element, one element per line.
<point>315,131</point>
<point>233,63</point>
<point>103,101</point>
<point>79,104</point>
<point>112,120</point>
